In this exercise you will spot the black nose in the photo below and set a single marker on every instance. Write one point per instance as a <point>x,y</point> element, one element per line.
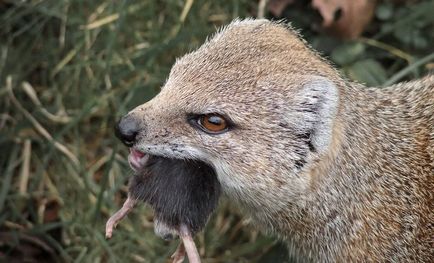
<point>127,129</point>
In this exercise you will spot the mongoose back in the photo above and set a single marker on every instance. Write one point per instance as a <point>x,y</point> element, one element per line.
<point>341,172</point>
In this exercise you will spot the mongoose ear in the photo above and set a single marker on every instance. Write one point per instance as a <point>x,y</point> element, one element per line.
<point>317,103</point>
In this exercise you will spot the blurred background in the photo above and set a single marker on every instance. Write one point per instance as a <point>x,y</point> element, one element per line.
<point>70,68</point>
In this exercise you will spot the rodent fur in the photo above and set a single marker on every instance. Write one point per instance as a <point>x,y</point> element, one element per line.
<point>180,192</point>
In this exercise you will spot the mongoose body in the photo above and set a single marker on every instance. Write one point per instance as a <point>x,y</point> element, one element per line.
<point>341,172</point>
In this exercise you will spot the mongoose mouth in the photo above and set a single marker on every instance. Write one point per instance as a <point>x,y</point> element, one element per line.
<point>137,159</point>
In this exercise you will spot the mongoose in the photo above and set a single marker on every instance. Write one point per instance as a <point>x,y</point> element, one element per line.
<point>341,172</point>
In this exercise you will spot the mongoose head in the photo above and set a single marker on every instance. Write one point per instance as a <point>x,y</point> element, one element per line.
<point>253,102</point>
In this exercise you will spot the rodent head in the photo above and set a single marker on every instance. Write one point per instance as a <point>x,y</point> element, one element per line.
<point>267,85</point>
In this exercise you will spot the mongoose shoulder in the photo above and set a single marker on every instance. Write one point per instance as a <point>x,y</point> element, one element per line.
<point>340,171</point>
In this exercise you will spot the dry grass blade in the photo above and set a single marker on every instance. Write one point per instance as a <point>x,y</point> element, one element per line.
<point>34,97</point>
<point>262,8</point>
<point>101,22</point>
<point>185,10</point>
<point>38,126</point>
<point>25,168</point>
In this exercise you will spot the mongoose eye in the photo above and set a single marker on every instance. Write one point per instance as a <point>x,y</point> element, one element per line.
<point>212,123</point>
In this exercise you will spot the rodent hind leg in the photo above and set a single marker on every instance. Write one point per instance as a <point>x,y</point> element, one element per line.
<point>118,216</point>
<point>188,244</point>
<point>179,255</point>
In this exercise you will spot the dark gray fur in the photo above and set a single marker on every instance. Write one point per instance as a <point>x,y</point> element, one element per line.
<point>179,191</point>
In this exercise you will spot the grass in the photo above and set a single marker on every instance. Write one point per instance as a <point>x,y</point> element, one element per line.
<point>70,69</point>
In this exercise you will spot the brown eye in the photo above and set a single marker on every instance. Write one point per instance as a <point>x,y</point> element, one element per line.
<point>213,123</point>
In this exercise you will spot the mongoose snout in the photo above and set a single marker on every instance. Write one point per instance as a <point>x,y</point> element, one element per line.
<point>127,130</point>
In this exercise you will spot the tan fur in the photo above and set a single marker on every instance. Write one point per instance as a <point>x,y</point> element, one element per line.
<point>342,172</point>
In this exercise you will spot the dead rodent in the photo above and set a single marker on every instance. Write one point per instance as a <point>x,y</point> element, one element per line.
<point>182,193</point>
<point>342,172</point>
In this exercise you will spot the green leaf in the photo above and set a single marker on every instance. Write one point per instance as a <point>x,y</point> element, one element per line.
<point>347,53</point>
<point>367,71</point>
<point>384,11</point>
